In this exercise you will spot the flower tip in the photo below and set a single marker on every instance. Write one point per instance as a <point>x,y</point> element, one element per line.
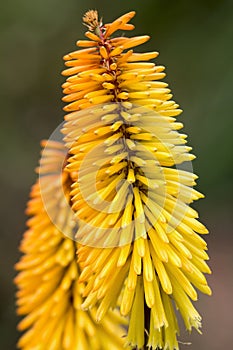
<point>66,57</point>
<point>91,20</point>
<point>83,307</point>
<point>43,143</point>
<point>64,73</point>
<point>132,14</point>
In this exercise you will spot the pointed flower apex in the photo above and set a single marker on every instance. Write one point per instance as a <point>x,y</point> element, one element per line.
<point>91,20</point>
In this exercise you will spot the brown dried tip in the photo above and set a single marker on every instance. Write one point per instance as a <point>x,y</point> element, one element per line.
<point>91,20</point>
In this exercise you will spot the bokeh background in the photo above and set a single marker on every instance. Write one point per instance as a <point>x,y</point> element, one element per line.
<point>195,39</point>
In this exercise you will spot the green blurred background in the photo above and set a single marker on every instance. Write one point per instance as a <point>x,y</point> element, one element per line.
<point>195,41</point>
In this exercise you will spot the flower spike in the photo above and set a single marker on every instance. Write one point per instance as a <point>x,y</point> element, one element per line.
<point>49,294</point>
<point>139,238</point>
<point>113,244</point>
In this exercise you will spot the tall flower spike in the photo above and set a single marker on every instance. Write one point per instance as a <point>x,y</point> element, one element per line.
<point>139,237</point>
<point>48,290</point>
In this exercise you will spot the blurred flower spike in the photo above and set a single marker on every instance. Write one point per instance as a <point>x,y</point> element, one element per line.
<point>113,246</point>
